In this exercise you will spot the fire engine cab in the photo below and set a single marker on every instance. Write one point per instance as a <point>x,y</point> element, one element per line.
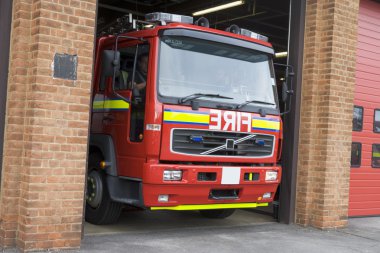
<point>184,117</point>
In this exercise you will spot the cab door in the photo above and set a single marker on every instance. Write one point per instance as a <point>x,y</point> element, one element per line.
<point>124,112</point>
<point>100,82</point>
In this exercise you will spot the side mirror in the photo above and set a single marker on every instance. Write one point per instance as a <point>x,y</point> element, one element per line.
<point>109,66</point>
<point>110,61</point>
<point>285,92</point>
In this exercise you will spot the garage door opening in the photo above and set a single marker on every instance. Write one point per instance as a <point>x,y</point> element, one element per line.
<point>269,18</point>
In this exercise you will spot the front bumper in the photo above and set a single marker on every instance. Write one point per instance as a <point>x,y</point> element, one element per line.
<point>191,193</point>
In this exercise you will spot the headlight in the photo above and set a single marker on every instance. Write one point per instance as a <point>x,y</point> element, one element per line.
<point>172,175</point>
<point>271,176</point>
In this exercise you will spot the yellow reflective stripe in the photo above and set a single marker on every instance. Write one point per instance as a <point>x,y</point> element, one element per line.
<point>110,104</point>
<point>186,117</point>
<point>250,176</point>
<point>97,104</point>
<point>116,104</point>
<point>376,154</point>
<point>206,207</point>
<point>265,124</point>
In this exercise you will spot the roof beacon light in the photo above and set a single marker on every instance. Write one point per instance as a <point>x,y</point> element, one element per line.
<point>253,35</point>
<point>168,18</point>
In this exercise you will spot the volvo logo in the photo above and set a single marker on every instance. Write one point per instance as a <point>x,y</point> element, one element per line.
<point>230,144</point>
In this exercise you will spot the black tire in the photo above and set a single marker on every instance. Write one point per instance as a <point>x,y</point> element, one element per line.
<point>100,209</point>
<point>217,213</point>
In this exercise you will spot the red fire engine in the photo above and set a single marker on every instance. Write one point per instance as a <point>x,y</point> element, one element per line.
<point>184,117</point>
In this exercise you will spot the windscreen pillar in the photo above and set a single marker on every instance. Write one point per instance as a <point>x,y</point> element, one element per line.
<point>328,83</point>
<point>46,129</point>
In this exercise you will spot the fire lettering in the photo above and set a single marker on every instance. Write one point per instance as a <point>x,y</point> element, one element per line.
<point>246,120</point>
<point>230,121</point>
<point>215,119</point>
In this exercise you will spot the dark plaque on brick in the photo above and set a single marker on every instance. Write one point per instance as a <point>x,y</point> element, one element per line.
<point>65,66</point>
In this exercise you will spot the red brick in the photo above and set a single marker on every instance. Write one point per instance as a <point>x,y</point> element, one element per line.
<point>42,200</point>
<point>326,113</point>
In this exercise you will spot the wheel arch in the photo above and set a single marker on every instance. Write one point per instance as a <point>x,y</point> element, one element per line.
<point>103,144</point>
<point>120,190</point>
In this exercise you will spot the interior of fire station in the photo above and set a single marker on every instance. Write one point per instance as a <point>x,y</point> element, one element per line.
<point>269,18</point>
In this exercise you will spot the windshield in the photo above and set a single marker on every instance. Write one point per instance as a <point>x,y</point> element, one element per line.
<point>189,66</point>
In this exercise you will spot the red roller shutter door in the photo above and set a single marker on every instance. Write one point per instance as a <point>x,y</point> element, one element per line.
<point>365,179</point>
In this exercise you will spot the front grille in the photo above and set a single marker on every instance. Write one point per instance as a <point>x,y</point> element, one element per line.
<point>217,143</point>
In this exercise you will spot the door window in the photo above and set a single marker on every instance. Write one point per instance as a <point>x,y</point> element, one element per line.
<point>124,75</point>
<point>138,82</point>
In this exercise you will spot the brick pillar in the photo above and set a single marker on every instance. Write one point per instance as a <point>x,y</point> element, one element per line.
<point>46,129</point>
<point>326,113</point>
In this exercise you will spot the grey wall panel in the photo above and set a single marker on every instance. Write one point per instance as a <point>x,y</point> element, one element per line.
<point>5,30</point>
<point>292,120</point>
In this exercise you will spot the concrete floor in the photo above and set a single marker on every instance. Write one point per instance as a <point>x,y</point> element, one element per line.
<point>362,235</point>
<point>368,228</point>
<point>245,231</point>
<point>148,221</point>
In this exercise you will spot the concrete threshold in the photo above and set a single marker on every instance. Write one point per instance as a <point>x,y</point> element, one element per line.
<point>148,221</point>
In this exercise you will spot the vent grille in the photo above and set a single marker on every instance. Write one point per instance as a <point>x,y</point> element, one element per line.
<point>217,143</point>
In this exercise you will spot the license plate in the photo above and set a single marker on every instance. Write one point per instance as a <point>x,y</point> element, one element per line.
<point>231,175</point>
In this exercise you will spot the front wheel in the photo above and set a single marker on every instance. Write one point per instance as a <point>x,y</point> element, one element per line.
<point>217,213</point>
<point>100,209</point>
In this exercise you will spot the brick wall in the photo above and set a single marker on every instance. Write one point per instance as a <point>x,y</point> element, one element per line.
<point>45,140</point>
<point>326,113</point>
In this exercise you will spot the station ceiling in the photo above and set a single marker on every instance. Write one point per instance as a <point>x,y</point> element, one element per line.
<point>267,17</point>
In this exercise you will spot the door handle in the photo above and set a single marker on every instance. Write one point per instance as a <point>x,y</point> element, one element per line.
<point>108,117</point>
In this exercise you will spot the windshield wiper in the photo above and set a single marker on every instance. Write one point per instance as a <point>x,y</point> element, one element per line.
<point>253,101</point>
<point>198,95</point>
